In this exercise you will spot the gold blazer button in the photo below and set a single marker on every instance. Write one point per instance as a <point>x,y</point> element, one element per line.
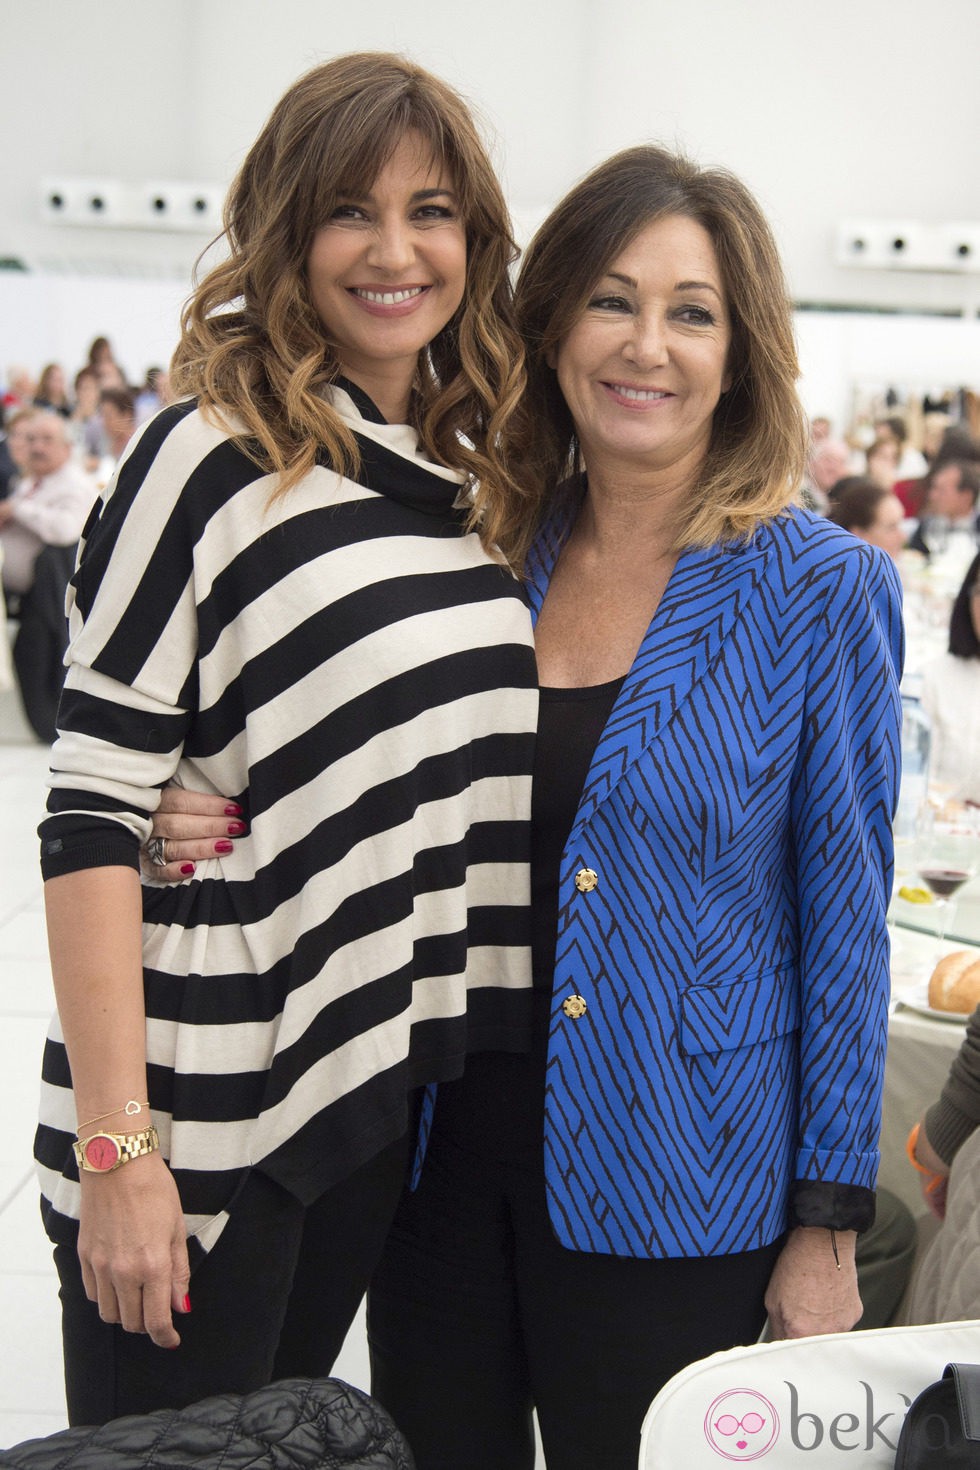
<point>574,1007</point>
<point>586,879</point>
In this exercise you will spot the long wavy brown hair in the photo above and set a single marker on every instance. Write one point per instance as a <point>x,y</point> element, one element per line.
<point>253,347</point>
<point>756,455</point>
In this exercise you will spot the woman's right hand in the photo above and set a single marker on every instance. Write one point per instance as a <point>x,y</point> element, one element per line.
<point>196,827</point>
<point>133,1248</point>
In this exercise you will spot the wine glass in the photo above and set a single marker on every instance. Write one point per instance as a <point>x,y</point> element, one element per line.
<point>946,861</point>
<point>935,534</point>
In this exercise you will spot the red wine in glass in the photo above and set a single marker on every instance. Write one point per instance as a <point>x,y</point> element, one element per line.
<point>949,860</point>
<point>944,882</point>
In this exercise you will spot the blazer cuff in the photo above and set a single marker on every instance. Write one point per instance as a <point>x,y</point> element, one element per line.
<point>832,1206</point>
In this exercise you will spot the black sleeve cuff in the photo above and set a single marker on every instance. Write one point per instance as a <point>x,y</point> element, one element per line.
<point>832,1206</point>
<point>70,844</point>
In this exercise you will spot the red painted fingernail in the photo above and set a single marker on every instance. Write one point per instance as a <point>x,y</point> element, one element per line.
<point>187,869</point>
<point>233,809</point>
<point>186,1304</point>
<point>224,846</point>
<point>234,828</point>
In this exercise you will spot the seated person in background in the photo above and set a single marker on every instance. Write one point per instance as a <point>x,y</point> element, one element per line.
<point>15,443</point>
<point>154,394</point>
<point>86,420</point>
<point>13,448</point>
<point>118,412</point>
<point>39,526</point>
<point>893,430</point>
<point>882,463</point>
<point>52,390</point>
<point>111,375</point>
<point>102,361</point>
<point>49,505</point>
<point>952,488</point>
<point>942,1131</point>
<point>868,511</point>
<point>951,696</point>
<point>947,1286</point>
<point>944,444</point>
<point>20,389</point>
<point>827,462</point>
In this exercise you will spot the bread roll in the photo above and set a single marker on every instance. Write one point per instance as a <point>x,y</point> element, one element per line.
<point>955,983</point>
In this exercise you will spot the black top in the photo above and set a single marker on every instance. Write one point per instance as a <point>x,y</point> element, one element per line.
<point>570,722</point>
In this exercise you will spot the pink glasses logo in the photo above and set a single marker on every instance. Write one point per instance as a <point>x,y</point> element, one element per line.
<point>741,1425</point>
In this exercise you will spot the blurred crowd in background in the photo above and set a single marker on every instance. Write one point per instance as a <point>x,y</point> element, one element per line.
<point>915,495</point>
<point>59,446</point>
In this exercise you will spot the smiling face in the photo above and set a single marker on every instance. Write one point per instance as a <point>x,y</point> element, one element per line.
<point>645,364</point>
<point>387,272</point>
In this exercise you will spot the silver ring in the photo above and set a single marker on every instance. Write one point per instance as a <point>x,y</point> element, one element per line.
<point>156,851</point>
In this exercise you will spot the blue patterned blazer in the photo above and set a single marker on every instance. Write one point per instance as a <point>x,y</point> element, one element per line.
<point>732,955</point>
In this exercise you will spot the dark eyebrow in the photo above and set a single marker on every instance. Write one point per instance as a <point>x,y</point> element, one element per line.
<point>698,286</point>
<point>681,285</point>
<point>353,196</point>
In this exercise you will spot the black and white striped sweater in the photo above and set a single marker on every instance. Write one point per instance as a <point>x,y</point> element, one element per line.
<point>359,675</point>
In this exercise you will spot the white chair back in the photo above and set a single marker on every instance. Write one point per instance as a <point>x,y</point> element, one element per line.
<point>826,1403</point>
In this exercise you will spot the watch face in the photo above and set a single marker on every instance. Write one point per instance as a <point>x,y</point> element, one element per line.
<point>101,1152</point>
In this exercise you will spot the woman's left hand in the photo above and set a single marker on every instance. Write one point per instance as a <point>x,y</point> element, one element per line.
<point>807,1295</point>
<point>193,827</point>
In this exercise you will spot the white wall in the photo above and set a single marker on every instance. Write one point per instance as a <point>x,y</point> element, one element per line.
<point>826,108</point>
<point>846,107</point>
<point>916,354</point>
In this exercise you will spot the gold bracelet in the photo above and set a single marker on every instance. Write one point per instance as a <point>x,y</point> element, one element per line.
<point>131,1109</point>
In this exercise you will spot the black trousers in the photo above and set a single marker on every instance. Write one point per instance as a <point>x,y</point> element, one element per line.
<point>273,1299</point>
<point>476,1313</point>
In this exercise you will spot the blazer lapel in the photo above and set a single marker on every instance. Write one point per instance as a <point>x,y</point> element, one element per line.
<point>704,599</point>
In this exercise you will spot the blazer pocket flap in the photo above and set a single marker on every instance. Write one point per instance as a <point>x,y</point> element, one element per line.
<point>743,1013</point>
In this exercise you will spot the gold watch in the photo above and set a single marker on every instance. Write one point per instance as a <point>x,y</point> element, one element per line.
<point>102,1152</point>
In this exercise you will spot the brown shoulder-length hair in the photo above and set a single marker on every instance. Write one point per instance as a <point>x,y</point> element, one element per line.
<point>758,442</point>
<point>253,346</point>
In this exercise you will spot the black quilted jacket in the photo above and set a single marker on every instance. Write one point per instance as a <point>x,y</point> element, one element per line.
<point>298,1424</point>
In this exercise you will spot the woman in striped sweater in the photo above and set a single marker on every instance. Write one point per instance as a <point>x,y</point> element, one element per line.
<point>283,596</point>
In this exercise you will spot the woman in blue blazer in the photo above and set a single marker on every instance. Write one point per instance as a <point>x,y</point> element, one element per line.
<point>711,856</point>
<point>718,756</point>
